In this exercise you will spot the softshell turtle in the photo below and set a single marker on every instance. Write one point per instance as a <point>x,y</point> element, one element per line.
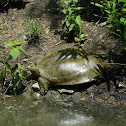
<point>67,67</point>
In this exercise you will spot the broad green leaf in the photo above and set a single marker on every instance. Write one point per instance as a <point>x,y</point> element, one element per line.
<point>122,19</point>
<point>114,6</point>
<point>108,4</point>
<point>14,43</point>
<point>76,1</point>
<point>67,23</point>
<point>77,39</point>
<point>70,12</point>
<point>71,27</point>
<point>77,30</point>
<point>78,20</point>
<point>82,35</point>
<point>64,11</point>
<point>14,52</point>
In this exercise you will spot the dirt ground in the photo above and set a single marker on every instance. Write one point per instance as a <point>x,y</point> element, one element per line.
<point>98,40</point>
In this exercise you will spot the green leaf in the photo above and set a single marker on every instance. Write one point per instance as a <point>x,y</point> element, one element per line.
<point>70,11</point>
<point>124,9</point>
<point>18,84</point>
<point>20,42</point>
<point>8,66</point>
<point>77,39</point>
<point>14,43</point>
<point>19,66</point>
<point>77,30</point>
<point>71,27</point>
<point>110,26</point>
<point>82,35</point>
<point>78,20</point>
<point>64,11</point>
<point>115,33</point>
<point>14,52</point>
<point>114,6</point>
<point>23,75</point>
<point>122,19</point>
<point>122,1</point>
<point>67,23</point>
<point>22,50</point>
<point>76,1</point>
<point>79,8</point>
<point>96,4</point>
<point>83,22</point>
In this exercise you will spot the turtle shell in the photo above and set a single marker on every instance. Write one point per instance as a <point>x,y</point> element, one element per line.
<point>69,67</point>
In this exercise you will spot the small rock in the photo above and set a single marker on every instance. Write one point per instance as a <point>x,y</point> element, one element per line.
<point>13,18</point>
<point>24,37</point>
<point>47,31</point>
<point>35,87</point>
<point>123,85</point>
<point>66,91</point>
<point>36,95</point>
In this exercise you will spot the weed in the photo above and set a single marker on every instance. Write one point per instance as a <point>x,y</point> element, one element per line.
<point>116,12</point>
<point>16,71</point>
<point>6,2</point>
<point>32,29</point>
<point>72,21</point>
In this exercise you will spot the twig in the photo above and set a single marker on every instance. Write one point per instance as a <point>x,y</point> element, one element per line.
<point>114,64</point>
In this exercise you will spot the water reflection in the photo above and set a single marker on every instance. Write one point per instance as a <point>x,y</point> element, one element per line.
<point>19,111</point>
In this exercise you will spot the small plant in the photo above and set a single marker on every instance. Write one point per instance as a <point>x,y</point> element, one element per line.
<point>72,21</point>
<point>32,29</point>
<point>116,12</point>
<point>5,2</point>
<point>16,71</point>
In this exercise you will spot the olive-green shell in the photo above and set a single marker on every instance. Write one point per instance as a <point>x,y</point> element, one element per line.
<point>69,67</point>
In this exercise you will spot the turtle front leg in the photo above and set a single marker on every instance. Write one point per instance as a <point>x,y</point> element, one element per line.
<point>44,85</point>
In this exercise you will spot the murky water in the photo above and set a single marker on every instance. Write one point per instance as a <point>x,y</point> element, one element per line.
<point>19,111</point>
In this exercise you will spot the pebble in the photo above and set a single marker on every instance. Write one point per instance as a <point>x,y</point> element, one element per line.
<point>35,86</point>
<point>65,91</point>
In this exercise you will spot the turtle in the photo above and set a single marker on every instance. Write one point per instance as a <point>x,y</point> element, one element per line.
<point>67,67</point>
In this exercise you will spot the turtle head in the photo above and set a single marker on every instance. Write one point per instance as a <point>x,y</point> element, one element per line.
<point>34,70</point>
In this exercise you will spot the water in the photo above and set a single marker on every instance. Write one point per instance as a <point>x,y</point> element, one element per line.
<point>19,111</point>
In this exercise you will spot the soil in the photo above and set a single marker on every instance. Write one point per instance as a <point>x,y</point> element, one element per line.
<point>98,40</point>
